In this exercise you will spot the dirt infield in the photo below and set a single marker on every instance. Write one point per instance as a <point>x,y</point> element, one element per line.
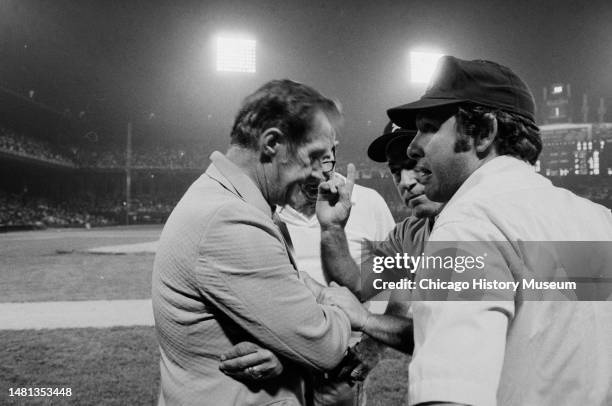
<point>55,265</point>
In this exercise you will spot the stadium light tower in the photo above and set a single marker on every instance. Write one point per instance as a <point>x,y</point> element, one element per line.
<point>422,65</point>
<point>235,54</point>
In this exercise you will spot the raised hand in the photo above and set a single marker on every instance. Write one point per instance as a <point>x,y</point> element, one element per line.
<point>334,199</point>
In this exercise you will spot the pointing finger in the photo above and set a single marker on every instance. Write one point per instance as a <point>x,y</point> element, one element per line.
<point>351,173</point>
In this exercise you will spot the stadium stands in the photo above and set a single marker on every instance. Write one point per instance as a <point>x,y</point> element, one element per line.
<point>82,182</point>
<point>25,212</point>
<point>18,144</point>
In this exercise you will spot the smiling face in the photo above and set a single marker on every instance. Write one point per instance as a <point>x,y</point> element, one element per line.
<point>442,169</point>
<point>310,188</point>
<point>299,168</point>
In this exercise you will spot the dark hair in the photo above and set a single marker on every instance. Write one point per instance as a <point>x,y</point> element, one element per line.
<point>517,136</point>
<point>285,104</point>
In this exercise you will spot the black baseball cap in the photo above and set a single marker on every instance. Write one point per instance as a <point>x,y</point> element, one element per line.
<point>397,149</point>
<point>377,151</point>
<point>480,82</point>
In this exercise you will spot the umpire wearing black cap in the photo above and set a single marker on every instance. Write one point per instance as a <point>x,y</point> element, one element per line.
<point>477,142</point>
<point>392,147</point>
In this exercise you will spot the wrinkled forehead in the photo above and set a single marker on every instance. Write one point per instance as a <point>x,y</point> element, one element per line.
<point>321,139</point>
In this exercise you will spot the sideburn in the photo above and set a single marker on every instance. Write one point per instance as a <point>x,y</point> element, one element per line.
<point>469,134</point>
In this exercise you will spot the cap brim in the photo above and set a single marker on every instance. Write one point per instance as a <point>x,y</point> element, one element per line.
<point>378,147</point>
<point>405,115</point>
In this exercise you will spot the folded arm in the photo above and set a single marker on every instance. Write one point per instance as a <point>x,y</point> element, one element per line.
<point>244,271</point>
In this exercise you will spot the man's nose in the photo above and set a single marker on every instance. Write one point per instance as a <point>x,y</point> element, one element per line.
<point>408,179</point>
<point>318,174</point>
<point>416,148</point>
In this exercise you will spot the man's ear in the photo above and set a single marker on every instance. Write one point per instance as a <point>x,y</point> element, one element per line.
<point>485,143</point>
<point>269,143</point>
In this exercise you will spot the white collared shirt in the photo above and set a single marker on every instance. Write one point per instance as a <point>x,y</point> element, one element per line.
<point>370,220</point>
<point>501,353</point>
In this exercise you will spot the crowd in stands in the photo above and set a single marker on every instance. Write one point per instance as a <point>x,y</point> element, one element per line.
<point>27,210</point>
<point>80,211</point>
<point>149,157</point>
<point>148,205</point>
<point>17,211</point>
<point>93,155</point>
<point>18,144</point>
<point>98,158</point>
<point>194,157</point>
<point>185,155</point>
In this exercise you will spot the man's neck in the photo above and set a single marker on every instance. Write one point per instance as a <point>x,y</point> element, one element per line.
<point>248,161</point>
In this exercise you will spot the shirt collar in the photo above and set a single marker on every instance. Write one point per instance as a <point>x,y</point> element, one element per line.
<point>291,216</point>
<point>236,181</point>
<point>497,170</point>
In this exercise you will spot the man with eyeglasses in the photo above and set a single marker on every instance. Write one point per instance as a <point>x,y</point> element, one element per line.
<point>370,219</point>
<point>391,328</point>
<point>223,273</point>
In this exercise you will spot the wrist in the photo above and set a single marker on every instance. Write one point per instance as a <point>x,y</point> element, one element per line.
<point>364,325</point>
<point>332,228</point>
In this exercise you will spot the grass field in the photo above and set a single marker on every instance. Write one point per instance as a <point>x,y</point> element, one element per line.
<point>115,366</point>
<point>119,366</point>
<point>52,265</point>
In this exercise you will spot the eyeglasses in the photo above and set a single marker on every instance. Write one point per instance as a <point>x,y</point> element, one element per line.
<point>327,166</point>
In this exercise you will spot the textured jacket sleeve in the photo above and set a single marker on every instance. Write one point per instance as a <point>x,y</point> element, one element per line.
<point>244,271</point>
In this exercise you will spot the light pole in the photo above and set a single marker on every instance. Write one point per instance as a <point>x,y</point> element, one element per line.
<point>128,172</point>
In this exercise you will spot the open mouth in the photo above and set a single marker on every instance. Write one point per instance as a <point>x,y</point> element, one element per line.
<point>310,190</point>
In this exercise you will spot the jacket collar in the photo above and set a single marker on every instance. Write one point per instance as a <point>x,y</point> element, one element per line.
<point>236,181</point>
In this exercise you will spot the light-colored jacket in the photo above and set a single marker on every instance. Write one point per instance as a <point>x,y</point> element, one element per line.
<point>223,275</point>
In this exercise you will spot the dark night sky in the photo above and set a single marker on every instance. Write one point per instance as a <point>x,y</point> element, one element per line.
<point>121,60</point>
